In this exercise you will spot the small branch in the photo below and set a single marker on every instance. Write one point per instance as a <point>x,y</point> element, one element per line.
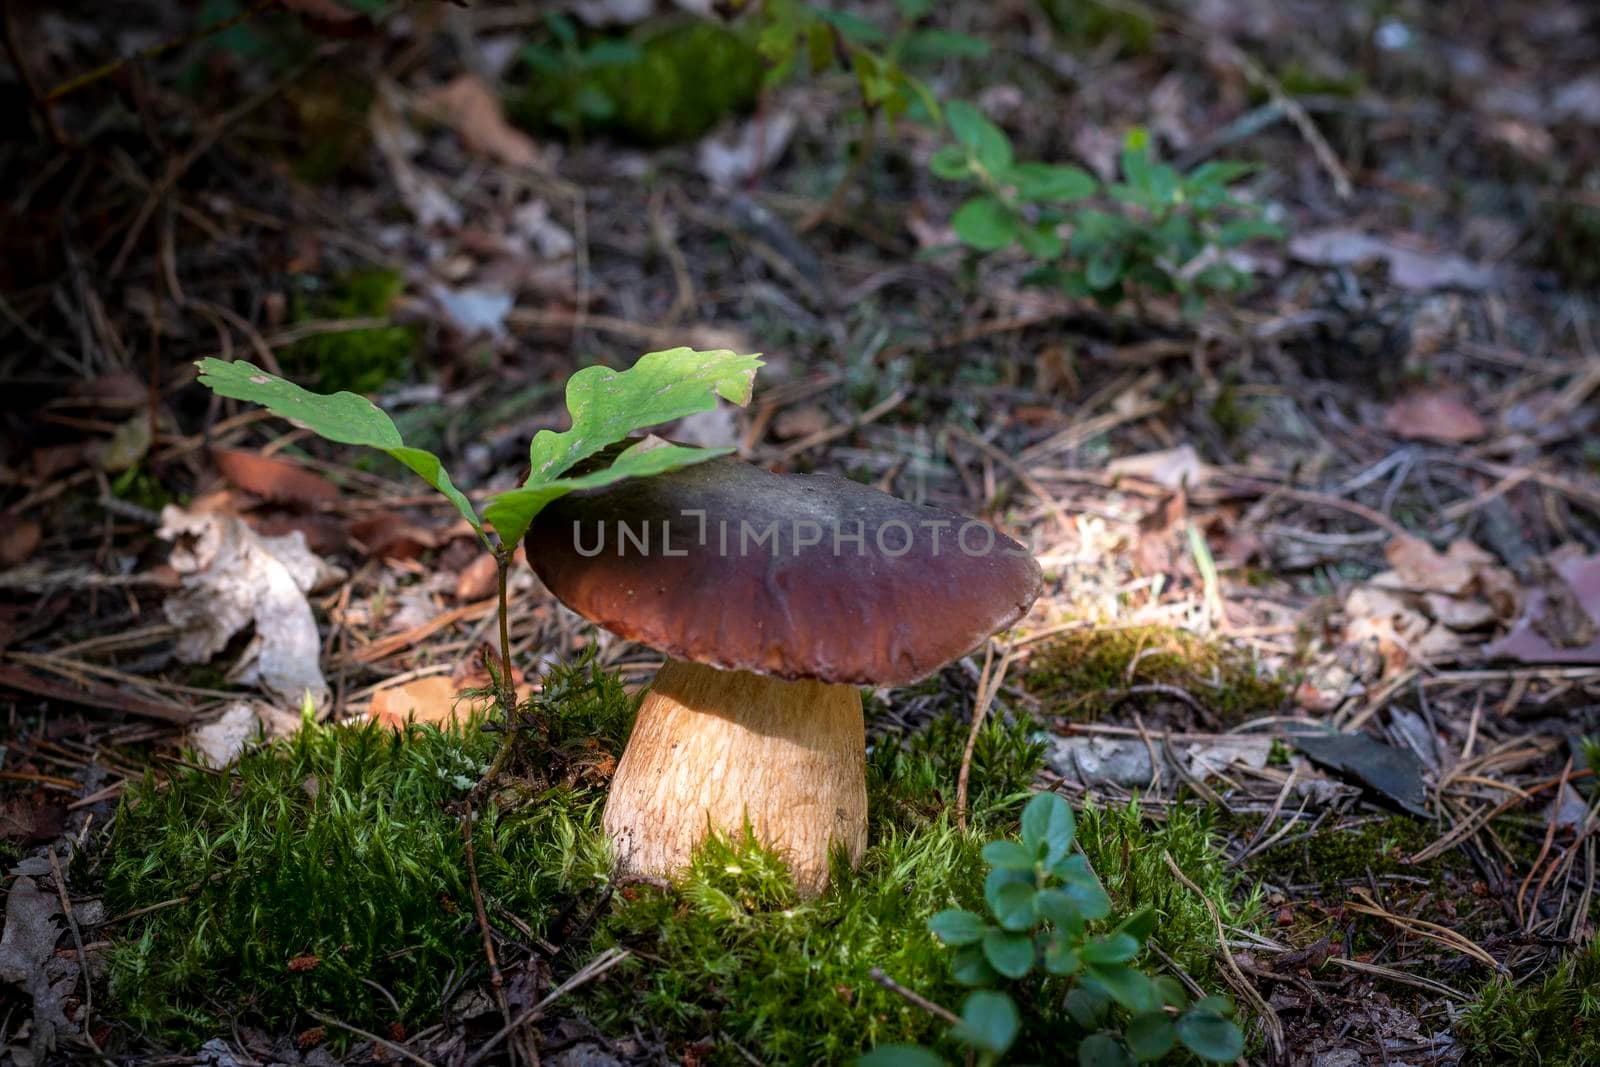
<point>397,1049</point>
<point>912,997</point>
<point>585,974</point>
<point>1269,1017</point>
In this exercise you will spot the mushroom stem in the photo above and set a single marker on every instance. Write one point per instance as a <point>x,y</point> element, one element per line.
<point>712,749</point>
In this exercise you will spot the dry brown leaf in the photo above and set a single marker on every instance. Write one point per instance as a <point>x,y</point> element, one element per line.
<point>478,579</point>
<point>800,422</point>
<point>1434,415</point>
<point>19,539</point>
<point>436,699</point>
<point>471,108</point>
<point>388,535</point>
<point>1409,268</point>
<point>1562,621</point>
<point>272,478</point>
<point>1421,567</point>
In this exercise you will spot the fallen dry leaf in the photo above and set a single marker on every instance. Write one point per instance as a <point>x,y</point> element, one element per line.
<point>734,156</point>
<point>388,535</point>
<point>478,579</point>
<point>26,946</point>
<point>127,445</point>
<point>1173,468</point>
<point>232,578</point>
<point>1561,623</point>
<point>1423,568</point>
<point>1433,415</point>
<point>472,109</point>
<point>436,699</point>
<point>424,197</point>
<point>1409,268</point>
<point>800,422</point>
<point>271,478</point>
<point>19,539</point>
<point>220,741</point>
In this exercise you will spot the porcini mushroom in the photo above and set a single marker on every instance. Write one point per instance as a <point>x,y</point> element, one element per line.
<point>775,597</point>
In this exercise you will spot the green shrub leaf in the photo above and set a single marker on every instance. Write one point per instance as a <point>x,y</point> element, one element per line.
<point>1048,183</point>
<point>1009,855</point>
<point>986,141</point>
<point>900,1056</point>
<point>1048,827</point>
<point>1117,948</point>
<point>988,1021</point>
<point>957,927</point>
<point>1210,1036</point>
<point>1150,1036</point>
<point>985,223</point>
<point>1012,954</point>
<point>951,163</point>
<point>1102,1050</point>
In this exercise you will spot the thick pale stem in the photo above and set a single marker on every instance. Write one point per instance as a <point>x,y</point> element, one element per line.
<point>713,748</point>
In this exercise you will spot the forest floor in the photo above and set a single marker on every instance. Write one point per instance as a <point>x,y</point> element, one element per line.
<point>1322,606</point>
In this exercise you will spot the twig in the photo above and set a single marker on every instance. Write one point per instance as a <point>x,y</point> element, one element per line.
<point>913,997</point>
<point>1269,1017</point>
<point>988,685</point>
<point>585,974</point>
<point>83,958</point>
<point>397,1049</point>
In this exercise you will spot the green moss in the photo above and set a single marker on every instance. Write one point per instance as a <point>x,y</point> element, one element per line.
<point>1552,1021</point>
<point>1298,79</point>
<point>1126,851</point>
<point>1571,243</point>
<point>361,361</point>
<point>678,82</point>
<point>1088,24</point>
<point>1232,415</point>
<point>1345,852</point>
<point>343,844</point>
<point>1082,675</point>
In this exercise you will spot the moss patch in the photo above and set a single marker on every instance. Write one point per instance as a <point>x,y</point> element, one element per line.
<point>1553,1021</point>
<point>360,361</point>
<point>1084,675</point>
<point>673,84</point>
<point>342,845</point>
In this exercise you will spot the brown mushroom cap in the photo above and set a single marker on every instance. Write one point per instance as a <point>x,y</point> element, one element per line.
<point>922,587</point>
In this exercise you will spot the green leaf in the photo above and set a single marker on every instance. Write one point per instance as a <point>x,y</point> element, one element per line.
<point>1010,855</point>
<point>996,881</point>
<point>1087,1006</point>
<point>1102,1050</point>
<point>1136,158</point>
<point>1046,182</point>
<point>852,28</point>
<point>951,163</point>
<point>1081,885</point>
<point>957,927</point>
<point>607,406</point>
<point>1048,827</point>
<point>969,966</point>
<point>513,511</point>
<point>1013,905</point>
<point>988,1021</point>
<point>985,223</point>
<point>1040,242</point>
<point>986,141</point>
<point>1127,986</point>
<point>1210,1036</point>
<point>1061,958</point>
<point>1140,925</point>
<point>932,45</point>
<point>1058,907</point>
<point>900,1056</point>
<point>1216,1004</point>
<point>1012,954</point>
<point>1104,268</point>
<point>1115,948</point>
<point>343,417</point>
<point>1239,231</point>
<point>1149,1036</point>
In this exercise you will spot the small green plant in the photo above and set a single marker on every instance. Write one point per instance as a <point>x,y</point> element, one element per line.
<point>606,406</point>
<point>1042,898</point>
<point>1169,232</point>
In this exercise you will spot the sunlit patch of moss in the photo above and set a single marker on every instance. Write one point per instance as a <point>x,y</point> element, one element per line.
<point>138,485</point>
<point>1083,675</point>
<point>341,848</point>
<point>1551,1020</point>
<point>360,361</point>
<point>733,957</point>
<point>678,82</point>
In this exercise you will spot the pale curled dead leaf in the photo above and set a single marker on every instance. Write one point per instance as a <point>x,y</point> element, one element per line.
<point>731,157</point>
<point>1173,468</point>
<point>220,741</point>
<point>231,577</point>
<point>26,946</point>
<point>1409,268</point>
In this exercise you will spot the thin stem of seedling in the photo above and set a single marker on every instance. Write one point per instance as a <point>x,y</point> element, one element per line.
<point>507,691</point>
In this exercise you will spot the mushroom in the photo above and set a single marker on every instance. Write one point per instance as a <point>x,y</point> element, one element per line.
<point>775,597</point>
